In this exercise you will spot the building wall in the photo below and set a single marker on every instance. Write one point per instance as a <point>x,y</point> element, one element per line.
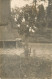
<point>4,11</point>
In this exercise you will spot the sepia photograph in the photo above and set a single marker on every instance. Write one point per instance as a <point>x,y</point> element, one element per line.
<point>25,39</point>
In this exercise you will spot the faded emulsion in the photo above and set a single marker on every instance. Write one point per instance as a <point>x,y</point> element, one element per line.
<point>26,39</point>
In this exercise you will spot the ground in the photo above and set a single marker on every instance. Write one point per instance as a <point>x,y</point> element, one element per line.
<point>13,63</point>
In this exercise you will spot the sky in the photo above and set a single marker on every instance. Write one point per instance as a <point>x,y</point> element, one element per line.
<point>21,3</point>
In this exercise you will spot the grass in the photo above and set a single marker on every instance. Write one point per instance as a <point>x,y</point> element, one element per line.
<point>14,66</point>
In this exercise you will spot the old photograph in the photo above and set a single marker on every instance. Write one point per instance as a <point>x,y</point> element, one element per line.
<point>25,39</point>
